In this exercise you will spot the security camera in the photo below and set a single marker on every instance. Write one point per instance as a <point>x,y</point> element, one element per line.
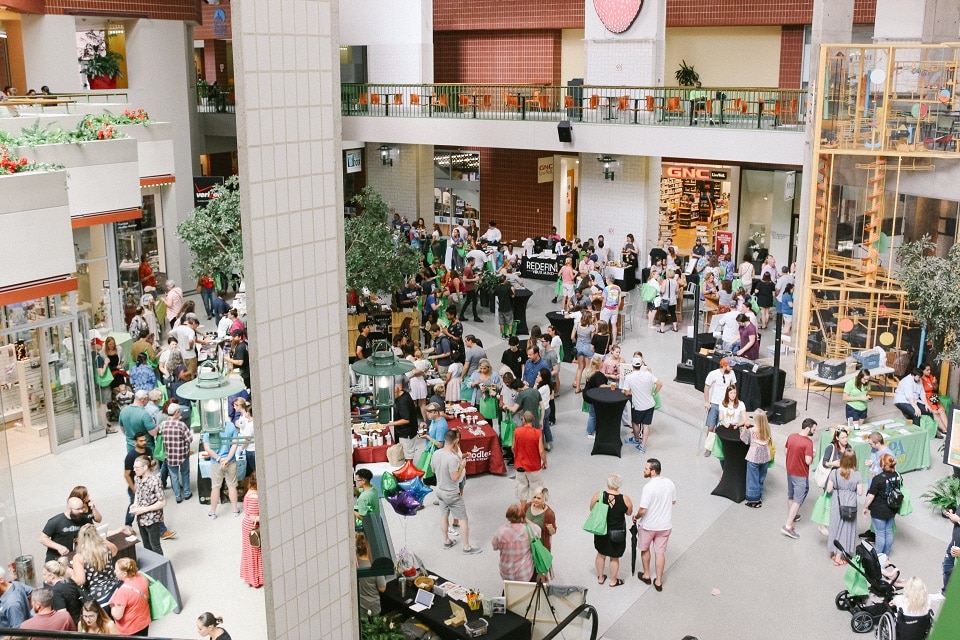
<point>212,1</point>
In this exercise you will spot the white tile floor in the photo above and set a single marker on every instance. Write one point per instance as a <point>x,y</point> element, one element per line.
<point>769,586</point>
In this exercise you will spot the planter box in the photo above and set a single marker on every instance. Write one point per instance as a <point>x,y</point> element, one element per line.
<point>154,147</point>
<point>35,226</point>
<point>102,175</point>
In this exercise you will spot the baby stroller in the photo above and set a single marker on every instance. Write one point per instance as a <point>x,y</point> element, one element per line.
<point>896,625</point>
<point>866,609</point>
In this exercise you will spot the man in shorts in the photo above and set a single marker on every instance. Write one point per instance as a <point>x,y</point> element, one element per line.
<point>655,517</point>
<point>223,465</point>
<point>449,467</point>
<point>611,307</point>
<point>714,389</point>
<point>799,455</point>
<point>505,294</point>
<point>641,385</point>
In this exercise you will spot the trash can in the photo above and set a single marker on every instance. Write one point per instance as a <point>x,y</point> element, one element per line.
<point>25,571</point>
<point>575,91</point>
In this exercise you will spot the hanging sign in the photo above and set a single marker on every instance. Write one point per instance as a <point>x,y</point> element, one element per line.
<point>354,160</point>
<point>545,169</point>
<point>203,189</point>
<point>790,186</point>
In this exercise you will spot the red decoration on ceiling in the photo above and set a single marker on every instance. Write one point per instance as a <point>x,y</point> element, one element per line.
<point>617,15</point>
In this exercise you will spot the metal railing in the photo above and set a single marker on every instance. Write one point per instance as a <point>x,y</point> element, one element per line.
<point>214,100</point>
<point>59,103</point>
<point>729,107</point>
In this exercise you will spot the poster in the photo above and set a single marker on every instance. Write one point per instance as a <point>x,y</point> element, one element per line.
<point>724,243</point>
<point>545,169</point>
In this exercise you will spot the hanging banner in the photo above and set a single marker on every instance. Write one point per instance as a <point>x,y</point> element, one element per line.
<point>203,189</point>
<point>724,243</point>
<point>545,169</point>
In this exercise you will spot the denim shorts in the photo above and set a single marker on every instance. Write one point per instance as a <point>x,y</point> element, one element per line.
<point>797,487</point>
<point>713,415</point>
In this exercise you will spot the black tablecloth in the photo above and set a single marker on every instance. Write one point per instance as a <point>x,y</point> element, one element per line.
<point>608,405</point>
<point>733,484</point>
<point>707,341</point>
<point>503,626</point>
<point>539,267</point>
<point>564,327</point>
<point>755,389</point>
<point>520,300</point>
<point>629,282</point>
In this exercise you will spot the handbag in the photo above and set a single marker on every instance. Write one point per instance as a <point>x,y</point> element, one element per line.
<point>657,301</point>
<point>105,379</point>
<point>159,451</point>
<point>507,427</point>
<point>709,441</point>
<point>542,558</point>
<point>848,513</point>
<point>597,520</point>
<point>617,535</point>
<point>255,537</point>
<point>162,601</point>
<point>820,475</point>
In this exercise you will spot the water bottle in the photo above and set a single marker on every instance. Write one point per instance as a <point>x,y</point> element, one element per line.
<point>849,424</point>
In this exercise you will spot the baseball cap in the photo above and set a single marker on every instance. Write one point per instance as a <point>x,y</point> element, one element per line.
<point>724,362</point>
<point>433,406</point>
<point>637,363</point>
<point>96,341</point>
<point>173,408</point>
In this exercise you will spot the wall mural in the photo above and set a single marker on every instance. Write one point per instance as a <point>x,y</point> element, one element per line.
<point>617,15</point>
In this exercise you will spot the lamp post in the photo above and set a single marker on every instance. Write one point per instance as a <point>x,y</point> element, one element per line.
<point>210,389</point>
<point>382,366</point>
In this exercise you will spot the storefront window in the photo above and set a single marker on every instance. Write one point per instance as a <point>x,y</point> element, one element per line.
<point>93,274</point>
<point>768,204</point>
<point>456,187</point>
<point>695,202</point>
<point>140,252</point>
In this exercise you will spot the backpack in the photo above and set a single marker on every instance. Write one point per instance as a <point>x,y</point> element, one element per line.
<point>893,495</point>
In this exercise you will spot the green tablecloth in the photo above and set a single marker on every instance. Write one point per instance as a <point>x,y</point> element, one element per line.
<point>912,450</point>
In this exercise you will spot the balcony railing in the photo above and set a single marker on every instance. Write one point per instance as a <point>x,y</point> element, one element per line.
<point>15,106</point>
<point>211,99</point>
<point>735,108</point>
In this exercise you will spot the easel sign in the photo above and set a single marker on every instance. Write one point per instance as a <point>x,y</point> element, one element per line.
<point>952,454</point>
<point>544,605</point>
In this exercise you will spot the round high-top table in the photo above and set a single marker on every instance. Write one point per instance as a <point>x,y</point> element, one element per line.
<point>733,484</point>
<point>608,404</point>
<point>520,299</point>
<point>564,327</point>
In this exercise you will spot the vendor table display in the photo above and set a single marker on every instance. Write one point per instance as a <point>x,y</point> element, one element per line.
<point>502,626</point>
<point>520,299</point>
<point>540,267</point>
<point>564,327</point>
<point>623,277</point>
<point>608,405</point>
<point>160,569</point>
<point>733,482</point>
<point>909,443</point>
<point>755,388</point>
<point>814,377</point>
<point>478,442</point>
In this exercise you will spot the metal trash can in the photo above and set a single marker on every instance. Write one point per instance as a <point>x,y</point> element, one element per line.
<point>25,571</point>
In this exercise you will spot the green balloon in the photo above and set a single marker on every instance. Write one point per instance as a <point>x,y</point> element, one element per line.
<point>883,243</point>
<point>388,482</point>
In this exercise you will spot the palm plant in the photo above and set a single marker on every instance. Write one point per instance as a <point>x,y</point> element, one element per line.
<point>686,76</point>
<point>943,494</point>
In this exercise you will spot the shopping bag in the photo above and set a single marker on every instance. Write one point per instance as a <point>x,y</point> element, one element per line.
<point>906,507</point>
<point>585,407</point>
<point>648,292</point>
<point>657,402</point>
<point>542,558</point>
<point>506,432</point>
<point>195,417</point>
<point>424,463</point>
<point>773,453</point>
<point>709,441</point>
<point>597,520</point>
<point>105,379</point>
<point>429,256</point>
<point>717,448</point>
<point>162,601</point>
<point>821,510</point>
<point>395,455</point>
<point>854,581</point>
<point>159,451</point>
<point>466,392</point>
<point>488,407</point>
<point>559,290</point>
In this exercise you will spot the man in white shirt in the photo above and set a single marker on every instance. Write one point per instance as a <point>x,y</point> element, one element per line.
<point>641,385</point>
<point>910,397</point>
<point>714,388</point>
<point>730,330</point>
<point>187,338</point>
<point>492,233</point>
<point>479,258</point>
<point>655,519</point>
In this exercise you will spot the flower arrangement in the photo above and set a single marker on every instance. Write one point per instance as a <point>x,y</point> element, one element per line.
<point>10,163</point>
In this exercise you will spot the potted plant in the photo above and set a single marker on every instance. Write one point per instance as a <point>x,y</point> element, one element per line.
<point>686,76</point>
<point>486,287</point>
<point>203,92</point>
<point>943,494</point>
<point>100,65</point>
<point>378,627</point>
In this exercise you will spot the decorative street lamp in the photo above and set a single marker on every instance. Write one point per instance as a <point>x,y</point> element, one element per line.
<point>210,389</point>
<point>382,366</point>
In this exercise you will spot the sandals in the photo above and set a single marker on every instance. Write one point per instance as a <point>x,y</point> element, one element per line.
<point>602,579</point>
<point>644,580</point>
<point>754,505</point>
<point>617,583</point>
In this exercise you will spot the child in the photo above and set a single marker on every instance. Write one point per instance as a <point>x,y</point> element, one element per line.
<point>124,396</point>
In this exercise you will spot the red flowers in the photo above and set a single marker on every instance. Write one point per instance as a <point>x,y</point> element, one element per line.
<point>136,116</point>
<point>11,164</point>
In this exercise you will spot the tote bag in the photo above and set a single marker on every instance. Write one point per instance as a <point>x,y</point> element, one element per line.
<point>542,558</point>
<point>105,379</point>
<point>507,426</point>
<point>597,520</point>
<point>424,463</point>
<point>821,510</point>
<point>488,407</point>
<point>162,601</point>
<point>159,451</point>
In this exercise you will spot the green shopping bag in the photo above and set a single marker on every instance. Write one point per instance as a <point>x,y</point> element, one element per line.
<point>717,449</point>
<point>488,407</point>
<point>162,601</point>
<point>159,451</point>
<point>821,509</point>
<point>648,292</point>
<point>462,251</point>
<point>105,379</point>
<point>506,432</point>
<point>429,256</point>
<point>754,305</point>
<point>597,520</point>
<point>657,402</point>
<point>906,507</point>
<point>195,418</point>
<point>424,462</point>
<point>466,392</point>
<point>559,290</point>
<point>542,558</point>
<point>854,581</point>
<point>736,284</point>
<point>585,407</point>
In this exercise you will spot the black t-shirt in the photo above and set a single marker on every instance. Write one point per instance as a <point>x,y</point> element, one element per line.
<point>878,488</point>
<point>456,342</point>
<point>600,343</point>
<point>63,531</point>
<point>242,352</point>
<point>514,360</point>
<point>66,595</point>
<point>365,344</point>
<point>131,458</point>
<point>404,408</point>
<point>504,293</point>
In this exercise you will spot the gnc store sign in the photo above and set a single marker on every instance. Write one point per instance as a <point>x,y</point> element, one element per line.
<point>693,173</point>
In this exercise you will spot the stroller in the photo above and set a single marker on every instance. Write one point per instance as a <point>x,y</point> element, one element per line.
<point>865,609</point>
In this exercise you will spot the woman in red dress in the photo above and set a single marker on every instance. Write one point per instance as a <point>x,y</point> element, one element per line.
<point>251,561</point>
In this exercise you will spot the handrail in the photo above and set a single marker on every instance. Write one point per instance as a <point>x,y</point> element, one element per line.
<point>68,635</point>
<point>591,613</point>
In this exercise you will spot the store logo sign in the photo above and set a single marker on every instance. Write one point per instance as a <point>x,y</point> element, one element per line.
<point>203,189</point>
<point>220,23</point>
<point>695,173</point>
<point>617,15</point>
<point>544,170</point>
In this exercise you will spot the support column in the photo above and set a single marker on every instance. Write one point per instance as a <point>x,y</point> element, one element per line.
<point>926,21</point>
<point>215,57</point>
<point>50,53</point>
<point>292,216</point>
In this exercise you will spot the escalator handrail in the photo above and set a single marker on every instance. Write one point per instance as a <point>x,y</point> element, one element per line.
<point>591,613</point>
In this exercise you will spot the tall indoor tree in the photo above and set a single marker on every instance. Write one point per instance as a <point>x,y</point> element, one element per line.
<point>213,232</point>
<point>377,259</point>
<point>932,284</point>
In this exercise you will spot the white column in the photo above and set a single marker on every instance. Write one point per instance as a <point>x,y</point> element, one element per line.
<point>407,185</point>
<point>288,134</point>
<point>398,35</point>
<point>614,208</point>
<point>171,101</point>
<point>928,21</point>
<point>50,53</point>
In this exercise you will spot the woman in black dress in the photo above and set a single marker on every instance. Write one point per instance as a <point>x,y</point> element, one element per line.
<point>614,543</point>
<point>764,290</point>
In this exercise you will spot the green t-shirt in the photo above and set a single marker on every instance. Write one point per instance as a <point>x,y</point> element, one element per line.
<point>368,502</point>
<point>851,389</point>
